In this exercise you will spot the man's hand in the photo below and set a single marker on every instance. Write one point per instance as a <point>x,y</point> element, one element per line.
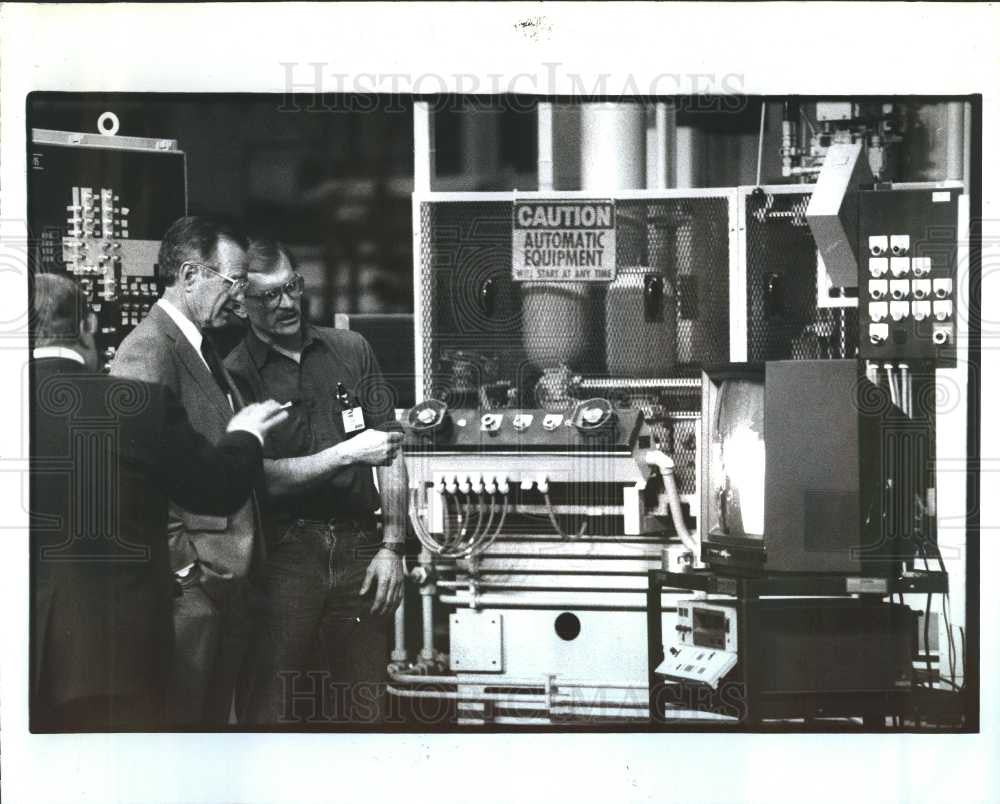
<point>373,447</point>
<point>258,418</point>
<point>386,572</point>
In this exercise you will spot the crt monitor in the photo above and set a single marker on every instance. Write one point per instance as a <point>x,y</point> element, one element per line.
<point>808,467</point>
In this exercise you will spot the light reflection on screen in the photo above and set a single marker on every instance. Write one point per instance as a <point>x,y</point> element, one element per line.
<point>736,477</point>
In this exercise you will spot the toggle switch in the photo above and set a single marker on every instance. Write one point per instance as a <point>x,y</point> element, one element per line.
<point>898,310</point>
<point>899,266</point>
<point>942,310</point>
<point>878,289</point>
<point>899,244</point>
<point>878,266</point>
<point>877,311</point>
<point>878,245</point>
<point>942,288</point>
<point>921,266</point>
<point>899,288</point>
<point>921,288</point>
<point>921,310</point>
<point>878,333</point>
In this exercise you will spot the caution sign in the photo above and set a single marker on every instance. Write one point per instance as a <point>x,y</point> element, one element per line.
<point>564,241</point>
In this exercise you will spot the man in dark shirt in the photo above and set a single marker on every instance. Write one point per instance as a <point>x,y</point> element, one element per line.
<point>331,579</point>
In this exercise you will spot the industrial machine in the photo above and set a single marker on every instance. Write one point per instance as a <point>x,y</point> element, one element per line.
<point>98,206</point>
<point>581,433</point>
<point>538,527</point>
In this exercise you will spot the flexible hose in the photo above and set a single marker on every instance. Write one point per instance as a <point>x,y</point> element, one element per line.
<point>663,462</point>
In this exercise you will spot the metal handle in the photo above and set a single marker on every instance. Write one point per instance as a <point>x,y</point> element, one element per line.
<point>652,297</point>
<point>774,300</point>
<point>488,297</point>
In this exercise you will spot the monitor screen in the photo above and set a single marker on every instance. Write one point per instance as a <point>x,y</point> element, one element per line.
<point>736,470</point>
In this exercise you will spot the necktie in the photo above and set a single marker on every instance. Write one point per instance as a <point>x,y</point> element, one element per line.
<point>211,356</point>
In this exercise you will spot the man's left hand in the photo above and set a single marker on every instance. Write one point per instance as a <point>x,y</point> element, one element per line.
<point>386,573</point>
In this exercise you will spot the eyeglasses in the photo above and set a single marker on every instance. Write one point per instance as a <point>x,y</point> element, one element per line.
<point>236,286</point>
<point>272,298</point>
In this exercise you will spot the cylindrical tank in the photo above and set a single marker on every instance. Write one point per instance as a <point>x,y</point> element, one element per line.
<point>557,322</point>
<point>640,324</point>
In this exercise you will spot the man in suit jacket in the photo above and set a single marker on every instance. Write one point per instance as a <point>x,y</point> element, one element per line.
<point>105,453</point>
<point>203,265</point>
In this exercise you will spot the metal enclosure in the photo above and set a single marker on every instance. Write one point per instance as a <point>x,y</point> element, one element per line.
<point>843,468</point>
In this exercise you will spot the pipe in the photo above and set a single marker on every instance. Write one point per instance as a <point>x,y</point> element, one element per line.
<point>535,599</point>
<point>479,680</point>
<point>546,170</point>
<point>495,697</point>
<point>665,464</point>
<point>893,392</point>
<point>423,146</point>
<point>613,146</point>
<point>760,141</point>
<point>399,630</point>
<point>427,592</point>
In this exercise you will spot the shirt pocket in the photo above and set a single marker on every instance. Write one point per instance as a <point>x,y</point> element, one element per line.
<point>293,437</point>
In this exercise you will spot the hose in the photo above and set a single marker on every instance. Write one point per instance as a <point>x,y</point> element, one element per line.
<point>665,464</point>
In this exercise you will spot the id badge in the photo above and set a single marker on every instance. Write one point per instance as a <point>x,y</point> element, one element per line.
<point>354,420</point>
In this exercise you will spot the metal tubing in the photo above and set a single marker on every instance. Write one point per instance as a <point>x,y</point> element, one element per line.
<point>423,147</point>
<point>546,170</point>
<point>635,600</point>
<point>482,680</point>
<point>613,146</point>
<point>399,636</point>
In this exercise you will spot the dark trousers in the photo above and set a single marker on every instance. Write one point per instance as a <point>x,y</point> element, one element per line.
<point>212,636</point>
<point>319,656</point>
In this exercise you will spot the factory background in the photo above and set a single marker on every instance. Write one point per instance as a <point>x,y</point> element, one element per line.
<point>332,176</point>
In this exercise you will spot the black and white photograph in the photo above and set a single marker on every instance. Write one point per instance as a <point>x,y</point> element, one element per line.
<point>595,404</point>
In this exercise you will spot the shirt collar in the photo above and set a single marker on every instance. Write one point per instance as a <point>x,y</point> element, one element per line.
<point>260,349</point>
<point>41,352</point>
<point>184,324</point>
<point>187,327</point>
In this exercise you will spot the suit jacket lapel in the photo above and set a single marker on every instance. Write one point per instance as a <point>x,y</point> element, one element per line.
<point>194,365</point>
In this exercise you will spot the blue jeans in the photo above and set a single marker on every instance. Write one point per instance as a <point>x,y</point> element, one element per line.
<point>319,656</point>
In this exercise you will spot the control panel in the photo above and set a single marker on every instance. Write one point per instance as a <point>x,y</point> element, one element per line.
<point>98,206</point>
<point>704,647</point>
<point>591,425</point>
<point>906,290</point>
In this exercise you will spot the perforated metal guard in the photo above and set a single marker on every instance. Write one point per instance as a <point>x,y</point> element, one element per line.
<point>467,244</point>
<point>783,320</point>
<point>465,255</point>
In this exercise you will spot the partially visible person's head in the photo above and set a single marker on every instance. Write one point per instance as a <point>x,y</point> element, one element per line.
<point>59,316</point>
<point>202,264</point>
<point>273,299</point>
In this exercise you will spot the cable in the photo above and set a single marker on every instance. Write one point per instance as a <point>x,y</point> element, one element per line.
<point>555,522</point>
<point>760,140</point>
<point>927,644</point>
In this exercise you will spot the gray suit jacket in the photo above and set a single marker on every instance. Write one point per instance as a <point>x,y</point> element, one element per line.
<point>157,351</point>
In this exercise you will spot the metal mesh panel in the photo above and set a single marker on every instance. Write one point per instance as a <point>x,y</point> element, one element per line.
<point>783,320</point>
<point>475,317</point>
<point>474,314</point>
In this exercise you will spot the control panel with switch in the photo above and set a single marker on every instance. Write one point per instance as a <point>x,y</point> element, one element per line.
<point>906,292</point>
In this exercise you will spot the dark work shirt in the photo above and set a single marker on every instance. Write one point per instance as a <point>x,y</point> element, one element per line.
<point>315,422</point>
